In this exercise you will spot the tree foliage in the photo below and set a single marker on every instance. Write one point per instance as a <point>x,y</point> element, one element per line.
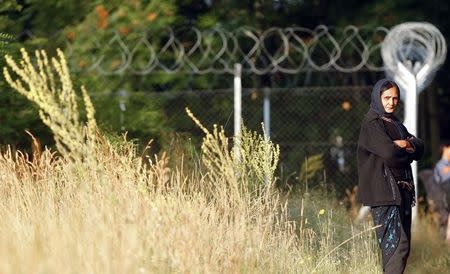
<point>93,26</point>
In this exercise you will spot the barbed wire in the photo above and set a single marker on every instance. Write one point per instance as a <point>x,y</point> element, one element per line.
<point>191,50</point>
<point>420,47</point>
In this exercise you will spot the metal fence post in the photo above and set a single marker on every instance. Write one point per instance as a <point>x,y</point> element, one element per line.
<point>237,106</point>
<point>410,119</point>
<point>266,112</point>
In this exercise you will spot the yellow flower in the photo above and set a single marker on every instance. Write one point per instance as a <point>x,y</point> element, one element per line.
<point>322,211</point>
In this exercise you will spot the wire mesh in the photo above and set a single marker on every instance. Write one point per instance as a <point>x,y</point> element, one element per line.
<point>304,122</point>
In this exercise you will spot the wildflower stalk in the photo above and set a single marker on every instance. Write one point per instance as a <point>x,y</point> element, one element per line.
<point>49,86</point>
<point>244,175</point>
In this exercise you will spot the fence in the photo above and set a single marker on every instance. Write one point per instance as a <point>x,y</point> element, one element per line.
<point>304,122</point>
<point>215,51</point>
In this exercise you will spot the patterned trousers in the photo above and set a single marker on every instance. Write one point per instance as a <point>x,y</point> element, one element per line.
<point>394,234</point>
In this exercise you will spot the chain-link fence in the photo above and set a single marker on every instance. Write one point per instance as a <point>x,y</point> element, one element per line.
<point>306,121</point>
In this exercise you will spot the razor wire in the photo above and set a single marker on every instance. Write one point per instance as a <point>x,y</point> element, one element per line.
<point>420,47</point>
<point>288,50</point>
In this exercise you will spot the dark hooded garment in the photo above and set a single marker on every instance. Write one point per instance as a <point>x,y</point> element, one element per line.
<point>385,180</point>
<point>378,156</point>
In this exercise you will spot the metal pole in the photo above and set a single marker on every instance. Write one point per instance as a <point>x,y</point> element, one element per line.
<point>237,106</point>
<point>266,113</point>
<point>123,94</point>
<point>412,128</point>
<point>410,119</point>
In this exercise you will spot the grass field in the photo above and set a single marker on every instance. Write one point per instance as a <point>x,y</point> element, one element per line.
<point>119,217</point>
<point>99,206</point>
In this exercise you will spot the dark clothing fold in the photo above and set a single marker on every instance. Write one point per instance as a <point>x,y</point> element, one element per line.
<point>397,131</point>
<point>377,152</point>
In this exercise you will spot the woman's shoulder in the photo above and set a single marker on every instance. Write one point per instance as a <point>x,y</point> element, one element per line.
<point>371,119</point>
<point>371,116</point>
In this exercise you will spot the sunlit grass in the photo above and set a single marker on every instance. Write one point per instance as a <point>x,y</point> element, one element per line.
<point>120,217</point>
<point>429,252</point>
<point>106,209</point>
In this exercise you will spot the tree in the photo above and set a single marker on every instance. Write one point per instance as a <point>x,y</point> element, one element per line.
<point>107,28</point>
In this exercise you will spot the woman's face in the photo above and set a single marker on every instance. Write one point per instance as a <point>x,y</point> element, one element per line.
<point>389,99</point>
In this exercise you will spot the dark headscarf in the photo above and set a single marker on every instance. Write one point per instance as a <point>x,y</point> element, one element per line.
<point>394,127</point>
<point>375,102</point>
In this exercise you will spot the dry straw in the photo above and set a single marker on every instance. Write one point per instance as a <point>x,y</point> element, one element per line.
<point>118,212</point>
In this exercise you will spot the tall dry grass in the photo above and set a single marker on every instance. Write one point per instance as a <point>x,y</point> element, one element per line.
<point>113,211</point>
<point>430,253</point>
<point>128,216</point>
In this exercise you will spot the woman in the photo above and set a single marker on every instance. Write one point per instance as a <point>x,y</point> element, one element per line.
<point>385,152</point>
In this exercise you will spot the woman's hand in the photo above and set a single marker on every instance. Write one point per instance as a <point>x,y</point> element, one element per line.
<point>404,144</point>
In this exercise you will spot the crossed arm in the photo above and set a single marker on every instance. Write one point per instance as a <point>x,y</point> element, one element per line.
<point>405,144</point>
<point>397,153</point>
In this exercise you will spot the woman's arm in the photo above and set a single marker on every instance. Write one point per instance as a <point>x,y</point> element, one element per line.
<point>374,138</point>
<point>418,147</point>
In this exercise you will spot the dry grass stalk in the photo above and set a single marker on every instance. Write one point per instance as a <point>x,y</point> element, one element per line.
<point>49,86</point>
<point>122,213</point>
